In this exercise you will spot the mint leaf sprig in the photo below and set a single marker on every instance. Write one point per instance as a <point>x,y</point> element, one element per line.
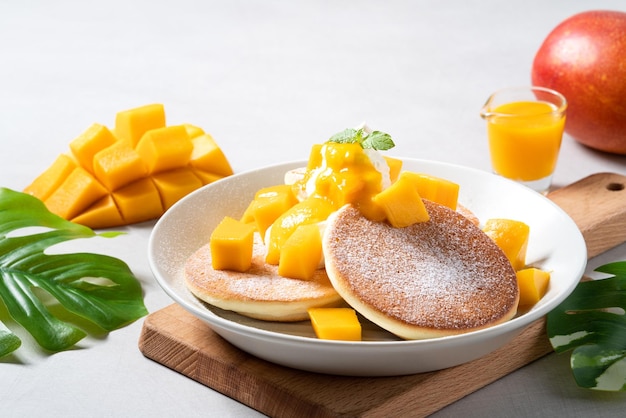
<point>375,140</point>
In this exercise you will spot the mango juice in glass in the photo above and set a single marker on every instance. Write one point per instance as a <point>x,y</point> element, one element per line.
<point>525,127</point>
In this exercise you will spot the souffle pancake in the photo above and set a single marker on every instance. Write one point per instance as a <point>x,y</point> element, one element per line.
<point>431,279</point>
<point>260,292</point>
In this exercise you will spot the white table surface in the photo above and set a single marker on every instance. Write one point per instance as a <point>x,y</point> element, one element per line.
<point>267,79</point>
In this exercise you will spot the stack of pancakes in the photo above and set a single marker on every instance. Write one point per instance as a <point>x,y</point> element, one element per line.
<point>436,278</point>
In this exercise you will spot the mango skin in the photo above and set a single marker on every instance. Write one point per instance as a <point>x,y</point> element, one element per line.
<point>583,59</point>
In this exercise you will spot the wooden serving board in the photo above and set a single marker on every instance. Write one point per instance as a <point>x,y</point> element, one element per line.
<point>182,342</point>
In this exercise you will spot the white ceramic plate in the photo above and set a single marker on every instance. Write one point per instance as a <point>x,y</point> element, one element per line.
<point>555,245</point>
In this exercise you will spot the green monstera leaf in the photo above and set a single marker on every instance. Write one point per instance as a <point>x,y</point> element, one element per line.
<point>96,288</point>
<point>592,323</point>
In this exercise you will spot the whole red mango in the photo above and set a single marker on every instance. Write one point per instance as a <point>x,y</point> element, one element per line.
<point>584,58</point>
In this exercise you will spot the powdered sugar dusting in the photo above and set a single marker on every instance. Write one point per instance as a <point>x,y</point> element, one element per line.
<point>261,283</point>
<point>441,274</point>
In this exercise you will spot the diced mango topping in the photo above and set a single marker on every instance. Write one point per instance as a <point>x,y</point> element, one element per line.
<point>512,237</point>
<point>436,189</point>
<point>342,173</point>
<point>335,323</point>
<point>336,174</point>
<point>301,253</point>
<point>231,245</point>
<point>141,156</point>
<point>395,166</point>
<point>402,204</point>
<point>372,210</point>
<point>247,217</point>
<point>288,218</point>
<point>268,204</point>
<point>316,157</point>
<point>309,211</point>
<point>533,284</point>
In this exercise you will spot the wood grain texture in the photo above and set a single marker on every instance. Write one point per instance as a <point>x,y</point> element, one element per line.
<point>598,206</point>
<point>179,340</point>
<point>182,342</point>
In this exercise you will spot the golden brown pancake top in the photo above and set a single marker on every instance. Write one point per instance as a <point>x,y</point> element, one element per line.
<point>444,274</point>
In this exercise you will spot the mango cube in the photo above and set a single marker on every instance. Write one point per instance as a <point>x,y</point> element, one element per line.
<point>96,138</point>
<point>395,166</point>
<point>102,214</point>
<point>48,181</point>
<point>118,165</point>
<point>206,178</point>
<point>133,123</point>
<point>247,217</point>
<point>371,210</point>
<point>436,189</point>
<point>335,323</point>
<point>346,186</point>
<point>208,156</point>
<point>193,130</point>
<point>301,253</point>
<point>231,245</point>
<point>75,194</point>
<point>269,203</point>
<point>402,204</point>
<point>112,169</point>
<point>175,184</point>
<point>512,237</point>
<point>138,201</point>
<point>315,157</point>
<point>533,284</point>
<point>309,211</point>
<point>165,148</point>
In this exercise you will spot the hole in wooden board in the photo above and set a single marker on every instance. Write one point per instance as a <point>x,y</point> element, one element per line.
<point>615,187</point>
